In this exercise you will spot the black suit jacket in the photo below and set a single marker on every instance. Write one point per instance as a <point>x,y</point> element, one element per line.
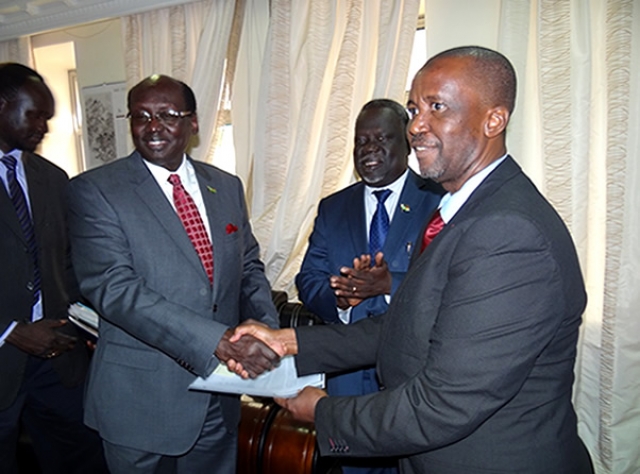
<point>48,198</point>
<point>476,350</point>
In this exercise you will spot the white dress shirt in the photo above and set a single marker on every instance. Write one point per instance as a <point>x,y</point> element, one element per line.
<point>189,181</point>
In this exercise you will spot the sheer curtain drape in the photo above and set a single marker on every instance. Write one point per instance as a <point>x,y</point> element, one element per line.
<point>323,61</point>
<point>577,135</point>
<point>189,42</point>
<point>17,50</point>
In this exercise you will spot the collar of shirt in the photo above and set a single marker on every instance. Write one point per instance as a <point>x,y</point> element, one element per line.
<point>450,204</point>
<point>371,202</point>
<point>189,181</point>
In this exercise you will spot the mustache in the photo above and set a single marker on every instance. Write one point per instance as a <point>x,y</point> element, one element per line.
<point>371,155</point>
<point>421,139</point>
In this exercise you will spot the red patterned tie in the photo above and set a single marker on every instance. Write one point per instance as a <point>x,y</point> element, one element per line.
<point>435,225</point>
<point>192,222</point>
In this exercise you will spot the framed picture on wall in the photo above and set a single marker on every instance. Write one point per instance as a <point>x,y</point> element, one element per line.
<point>105,123</point>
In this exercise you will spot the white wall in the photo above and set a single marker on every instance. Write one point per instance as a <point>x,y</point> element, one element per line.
<point>99,59</point>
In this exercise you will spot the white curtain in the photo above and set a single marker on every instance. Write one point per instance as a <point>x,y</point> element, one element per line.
<point>189,42</point>
<point>323,61</point>
<point>576,132</point>
<point>17,51</point>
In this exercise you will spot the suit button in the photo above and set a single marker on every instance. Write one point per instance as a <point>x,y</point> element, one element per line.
<point>215,308</point>
<point>30,286</point>
<point>203,292</point>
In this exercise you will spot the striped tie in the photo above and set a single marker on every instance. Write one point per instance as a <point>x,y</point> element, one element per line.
<point>22,211</point>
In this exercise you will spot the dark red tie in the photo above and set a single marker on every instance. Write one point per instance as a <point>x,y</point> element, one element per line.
<point>435,225</point>
<point>192,222</point>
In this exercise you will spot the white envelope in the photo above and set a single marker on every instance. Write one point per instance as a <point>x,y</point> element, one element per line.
<point>281,382</point>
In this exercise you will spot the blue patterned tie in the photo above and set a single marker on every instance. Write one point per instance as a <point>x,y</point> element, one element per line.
<point>22,211</point>
<point>379,223</point>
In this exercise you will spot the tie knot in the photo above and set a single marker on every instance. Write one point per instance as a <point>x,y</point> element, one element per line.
<point>175,179</point>
<point>382,195</point>
<point>10,162</point>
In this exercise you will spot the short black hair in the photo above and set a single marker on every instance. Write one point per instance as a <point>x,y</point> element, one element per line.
<point>187,93</point>
<point>392,105</point>
<point>13,76</point>
<point>494,71</point>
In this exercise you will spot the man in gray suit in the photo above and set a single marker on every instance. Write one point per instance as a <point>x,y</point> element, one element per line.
<point>163,249</point>
<point>477,348</point>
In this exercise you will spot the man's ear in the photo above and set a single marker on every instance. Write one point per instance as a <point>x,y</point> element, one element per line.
<point>497,120</point>
<point>195,127</point>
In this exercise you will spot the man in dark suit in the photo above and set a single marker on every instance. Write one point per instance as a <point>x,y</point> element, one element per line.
<point>164,251</point>
<point>345,230</point>
<point>478,346</point>
<point>42,366</point>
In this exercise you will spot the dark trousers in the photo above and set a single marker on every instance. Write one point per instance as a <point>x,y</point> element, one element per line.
<point>52,417</point>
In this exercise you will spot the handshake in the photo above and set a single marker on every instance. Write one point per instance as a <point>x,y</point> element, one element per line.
<point>252,348</point>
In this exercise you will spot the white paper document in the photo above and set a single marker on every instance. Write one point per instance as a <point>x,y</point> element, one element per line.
<point>84,317</point>
<point>281,382</point>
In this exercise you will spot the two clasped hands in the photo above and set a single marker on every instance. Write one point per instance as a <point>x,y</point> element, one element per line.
<point>351,287</point>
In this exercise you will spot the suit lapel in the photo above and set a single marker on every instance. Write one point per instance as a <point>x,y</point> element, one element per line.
<point>505,171</point>
<point>217,227</point>
<point>149,192</point>
<point>355,214</point>
<point>401,237</point>
<point>39,189</point>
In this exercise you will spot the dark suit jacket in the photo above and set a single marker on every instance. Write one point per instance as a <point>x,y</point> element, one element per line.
<point>48,186</point>
<point>137,266</point>
<point>339,235</point>
<point>476,350</point>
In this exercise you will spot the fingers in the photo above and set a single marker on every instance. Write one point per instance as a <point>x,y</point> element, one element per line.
<point>254,355</point>
<point>41,338</point>
<point>303,405</point>
<point>271,337</point>
<point>237,368</point>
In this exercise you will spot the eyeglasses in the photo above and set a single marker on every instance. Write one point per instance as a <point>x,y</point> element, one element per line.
<point>166,117</point>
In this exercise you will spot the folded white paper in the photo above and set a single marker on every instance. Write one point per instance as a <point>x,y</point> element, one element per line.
<point>84,317</point>
<point>281,382</point>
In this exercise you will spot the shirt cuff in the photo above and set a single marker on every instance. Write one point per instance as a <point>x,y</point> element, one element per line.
<point>344,315</point>
<point>7,331</point>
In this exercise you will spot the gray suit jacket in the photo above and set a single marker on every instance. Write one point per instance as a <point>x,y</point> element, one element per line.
<point>137,266</point>
<point>476,350</point>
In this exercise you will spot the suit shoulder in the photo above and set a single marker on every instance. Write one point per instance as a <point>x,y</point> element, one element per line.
<point>215,173</point>
<point>344,195</point>
<point>114,170</point>
<point>45,166</point>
